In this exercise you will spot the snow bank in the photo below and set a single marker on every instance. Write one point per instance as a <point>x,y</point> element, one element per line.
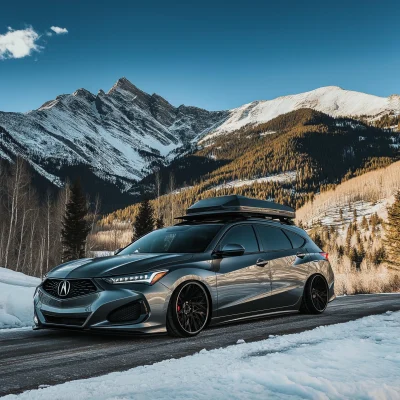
<point>16,298</point>
<point>355,360</point>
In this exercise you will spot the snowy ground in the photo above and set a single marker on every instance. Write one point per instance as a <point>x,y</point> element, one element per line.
<point>354,360</point>
<point>331,216</point>
<point>16,298</point>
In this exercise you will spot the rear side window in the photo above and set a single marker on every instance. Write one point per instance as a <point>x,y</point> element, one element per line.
<point>297,241</point>
<point>243,235</point>
<point>273,238</point>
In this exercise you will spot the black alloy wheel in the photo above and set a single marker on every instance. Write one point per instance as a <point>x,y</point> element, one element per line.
<point>316,293</point>
<point>188,310</point>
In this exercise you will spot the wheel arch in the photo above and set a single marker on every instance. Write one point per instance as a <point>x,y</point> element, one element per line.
<point>206,279</point>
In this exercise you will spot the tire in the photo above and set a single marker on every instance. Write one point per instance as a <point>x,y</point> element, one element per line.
<point>188,310</point>
<point>315,295</point>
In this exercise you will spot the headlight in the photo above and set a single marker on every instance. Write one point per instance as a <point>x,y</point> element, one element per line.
<point>148,277</point>
<point>44,277</point>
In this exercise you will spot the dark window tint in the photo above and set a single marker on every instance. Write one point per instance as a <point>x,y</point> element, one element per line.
<point>297,241</point>
<point>273,238</point>
<point>243,235</point>
<point>175,239</point>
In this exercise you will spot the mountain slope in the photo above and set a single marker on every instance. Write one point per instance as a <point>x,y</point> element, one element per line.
<point>117,134</point>
<point>367,194</point>
<point>331,100</point>
<point>308,152</point>
<point>114,139</point>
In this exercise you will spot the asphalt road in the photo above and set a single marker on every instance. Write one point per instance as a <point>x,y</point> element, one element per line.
<point>32,358</point>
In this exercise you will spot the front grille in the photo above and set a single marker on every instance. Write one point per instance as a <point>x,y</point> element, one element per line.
<point>78,287</point>
<point>64,320</point>
<point>127,313</point>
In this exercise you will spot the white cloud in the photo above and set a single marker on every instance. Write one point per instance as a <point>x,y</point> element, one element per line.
<point>59,30</point>
<point>18,43</point>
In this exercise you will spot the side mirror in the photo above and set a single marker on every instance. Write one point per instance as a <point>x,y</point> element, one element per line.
<point>117,251</point>
<point>231,250</point>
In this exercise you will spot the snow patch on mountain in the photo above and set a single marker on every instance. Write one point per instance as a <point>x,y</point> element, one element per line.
<point>288,176</point>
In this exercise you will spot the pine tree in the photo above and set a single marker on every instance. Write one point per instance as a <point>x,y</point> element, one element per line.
<point>318,240</point>
<point>75,226</point>
<point>349,235</point>
<point>340,251</point>
<point>353,255</point>
<point>144,222</point>
<point>378,256</point>
<point>364,223</point>
<point>392,233</point>
<point>360,254</point>
<point>159,222</point>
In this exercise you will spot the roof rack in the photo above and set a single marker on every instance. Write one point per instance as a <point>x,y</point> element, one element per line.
<point>235,206</point>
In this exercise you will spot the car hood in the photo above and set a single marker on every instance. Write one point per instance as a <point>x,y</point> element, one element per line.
<point>116,265</point>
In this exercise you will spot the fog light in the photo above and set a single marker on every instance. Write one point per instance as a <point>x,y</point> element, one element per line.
<point>35,320</point>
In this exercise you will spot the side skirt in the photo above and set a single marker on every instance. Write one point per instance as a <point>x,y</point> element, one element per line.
<point>241,317</point>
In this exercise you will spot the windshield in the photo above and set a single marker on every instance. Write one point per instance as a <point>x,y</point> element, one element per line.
<point>175,239</point>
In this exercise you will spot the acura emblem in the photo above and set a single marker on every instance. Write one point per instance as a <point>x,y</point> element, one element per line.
<point>63,288</point>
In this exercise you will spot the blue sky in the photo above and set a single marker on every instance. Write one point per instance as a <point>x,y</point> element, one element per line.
<point>211,54</point>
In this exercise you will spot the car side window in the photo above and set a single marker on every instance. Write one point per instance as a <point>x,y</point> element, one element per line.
<point>273,238</point>
<point>243,235</point>
<point>297,240</point>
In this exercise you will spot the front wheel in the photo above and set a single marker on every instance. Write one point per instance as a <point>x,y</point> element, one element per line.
<point>315,296</point>
<point>188,310</point>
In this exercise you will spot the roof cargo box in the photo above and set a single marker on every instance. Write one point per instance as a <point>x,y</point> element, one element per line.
<point>238,206</point>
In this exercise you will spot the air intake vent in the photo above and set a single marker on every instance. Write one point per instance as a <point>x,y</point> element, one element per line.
<point>65,320</point>
<point>127,313</point>
<point>73,288</point>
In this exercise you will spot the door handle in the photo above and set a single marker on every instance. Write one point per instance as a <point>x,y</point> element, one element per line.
<point>301,255</point>
<point>261,263</point>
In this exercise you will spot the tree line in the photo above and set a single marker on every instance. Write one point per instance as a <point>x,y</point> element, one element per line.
<point>41,230</point>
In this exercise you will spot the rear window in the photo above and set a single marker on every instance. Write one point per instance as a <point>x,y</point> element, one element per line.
<point>273,238</point>
<point>297,241</point>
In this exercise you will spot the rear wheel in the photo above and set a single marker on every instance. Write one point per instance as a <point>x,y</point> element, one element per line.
<point>188,310</point>
<point>315,296</point>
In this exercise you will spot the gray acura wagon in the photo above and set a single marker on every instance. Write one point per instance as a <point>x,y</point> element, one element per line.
<point>230,258</point>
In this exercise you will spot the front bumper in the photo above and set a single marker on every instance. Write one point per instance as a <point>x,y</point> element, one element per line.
<point>91,312</point>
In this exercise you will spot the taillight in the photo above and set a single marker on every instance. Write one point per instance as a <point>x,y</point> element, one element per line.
<point>325,255</point>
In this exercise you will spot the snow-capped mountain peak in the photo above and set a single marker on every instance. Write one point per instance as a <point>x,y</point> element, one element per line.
<point>118,133</point>
<point>331,100</point>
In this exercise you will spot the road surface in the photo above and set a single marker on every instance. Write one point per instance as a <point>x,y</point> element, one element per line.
<point>32,358</point>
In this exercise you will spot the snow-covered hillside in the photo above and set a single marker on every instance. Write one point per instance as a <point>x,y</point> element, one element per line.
<point>368,194</point>
<point>116,133</point>
<point>353,360</point>
<point>331,100</point>
<point>16,298</point>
